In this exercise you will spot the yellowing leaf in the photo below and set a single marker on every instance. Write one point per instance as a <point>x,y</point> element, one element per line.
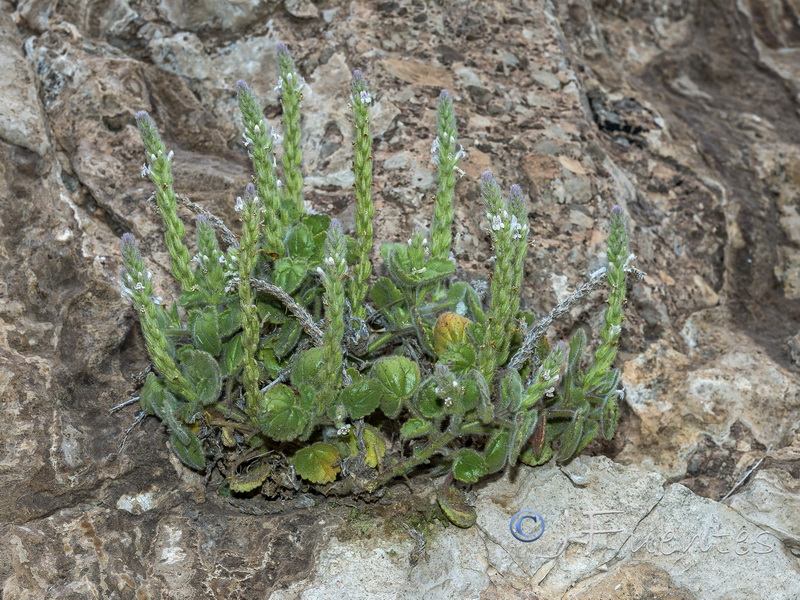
<point>376,449</point>
<point>317,463</point>
<point>450,329</point>
<point>251,479</point>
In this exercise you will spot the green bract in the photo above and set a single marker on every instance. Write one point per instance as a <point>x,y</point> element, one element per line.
<point>286,359</point>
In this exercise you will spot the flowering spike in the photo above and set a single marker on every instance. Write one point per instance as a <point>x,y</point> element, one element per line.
<point>365,209</point>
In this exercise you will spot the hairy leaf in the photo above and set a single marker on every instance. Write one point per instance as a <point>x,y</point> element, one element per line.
<point>414,428</point>
<point>399,378</point>
<point>191,454</point>
<point>204,326</point>
<point>317,463</point>
<point>469,466</point>
<point>281,418</point>
<point>375,447</point>
<point>360,399</point>
<point>306,367</point>
<point>203,374</point>
<point>454,505</point>
<point>254,477</point>
<point>232,355</point>
<point>300,242</point>
<point>450,329</point>
<point>289,273</point>
<point>497,451</point>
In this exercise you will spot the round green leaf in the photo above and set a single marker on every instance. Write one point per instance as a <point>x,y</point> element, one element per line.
<point>203,374</point>
<point>281,418</point>
<point>230,321</point>
<point>398,375</point>
<point>529,456</point>
<point>360,399</point>
<point>414,428</point>
<point>469,466</point>
<point>289,273</point>
<point>300,242</point>
<point>306,367</point>
<point>317,463</point>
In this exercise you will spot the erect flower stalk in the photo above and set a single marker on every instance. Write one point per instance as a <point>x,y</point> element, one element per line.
<point>360,100</point>
<point>159,168</point>
<point>138,286</point>
<point>259,146</point>
<point>332,273</point>
<point>290,88</point>
<point>509,230</point>
<point>211,262</point>
<point>446,157</point>
<point>250,208</point>
<point>618,259</point>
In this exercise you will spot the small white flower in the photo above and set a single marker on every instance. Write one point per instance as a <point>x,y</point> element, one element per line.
<point>516,228</point>
<point>239,206</point>
<point>170,155</point>
<point>497,223</point>
<point>139,286</point>
<point>435,151</point>
<point>145,170</point>
<point>365,97</point>
<point>247,140</point>
<point>330,262</point>
<point>448,402</point>
<point>344,430</point>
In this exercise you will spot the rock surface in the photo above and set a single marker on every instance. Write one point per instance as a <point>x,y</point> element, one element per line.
<point>684,112</point>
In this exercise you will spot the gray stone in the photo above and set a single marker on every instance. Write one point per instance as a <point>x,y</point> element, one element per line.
<point>21,118</point>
